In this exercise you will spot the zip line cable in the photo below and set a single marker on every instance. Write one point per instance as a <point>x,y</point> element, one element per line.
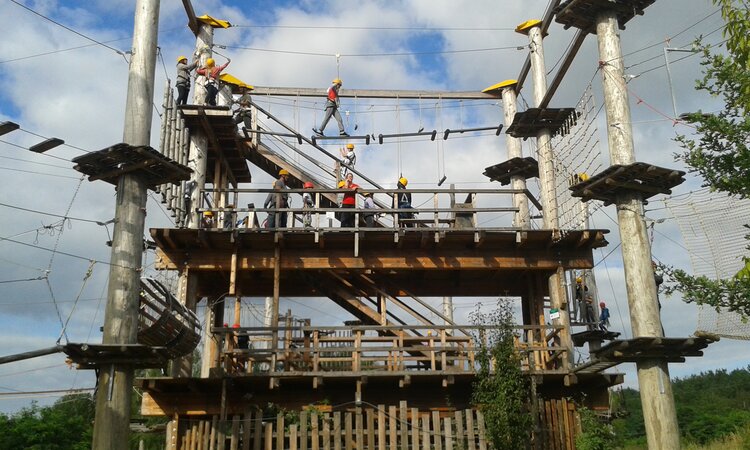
<point>367,55</point>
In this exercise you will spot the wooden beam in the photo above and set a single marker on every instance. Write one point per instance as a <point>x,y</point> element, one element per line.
<point>548,15</point>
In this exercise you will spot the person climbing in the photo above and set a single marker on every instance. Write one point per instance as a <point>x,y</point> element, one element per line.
<point>183,78</point>
<point>349,202</point>
<point>243,114</point>
<point>348,159</point>
<point>332,109</point>
<point>403,201</point>
<point>277,200</point>
<point>212,72</point>
<point>369,205</point>
<point>603,316</point>
<point>307,205</point>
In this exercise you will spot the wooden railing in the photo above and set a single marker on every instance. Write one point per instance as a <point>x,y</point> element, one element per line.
<point>374,350</point>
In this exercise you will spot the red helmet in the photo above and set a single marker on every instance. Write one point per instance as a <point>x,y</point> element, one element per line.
<point>236,325</point>
<point>602,305</point>
<point>308,185</point>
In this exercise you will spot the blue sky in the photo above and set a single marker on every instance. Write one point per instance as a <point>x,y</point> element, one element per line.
<point>78,94</point>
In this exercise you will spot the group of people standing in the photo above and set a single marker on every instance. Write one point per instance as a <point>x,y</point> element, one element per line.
<point>210,71</point>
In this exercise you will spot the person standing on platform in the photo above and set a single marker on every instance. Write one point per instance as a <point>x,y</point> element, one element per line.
<point>580,291</point>
<point>243,114</point>
<point>277,200</point>
<point>307,204</point>
<point>349,202</point>
<point>603,316</point>
<point>332,109</point>
<point>183,78</point>
<point>348,159</point>
<point>403,201</point>
<point>658,279</point>
<point>369,205</point>
<point>212,72</point>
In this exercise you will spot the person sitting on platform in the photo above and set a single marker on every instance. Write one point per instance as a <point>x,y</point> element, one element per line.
<point>332,109</point>
<point>603,316</point>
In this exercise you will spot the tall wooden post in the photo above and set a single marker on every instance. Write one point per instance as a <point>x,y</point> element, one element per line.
<point>657,398</point>
<point>510,99</point>
<point>557,295</point>
<point>112,420</point>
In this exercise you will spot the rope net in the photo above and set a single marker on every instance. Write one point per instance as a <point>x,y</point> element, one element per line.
<point>712,226</point>
<point>576,152</point>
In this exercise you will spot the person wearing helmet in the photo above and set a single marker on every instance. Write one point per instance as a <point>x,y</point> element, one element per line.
<point>402,200</point>
<point>278,200</point>
<point>243,114</point>
<point>581,291</point>
<point>208,219</point>
<point>332,109</point>
<point>211,72</point>
<point>349,201</point>
<point>369,204</point>
<point>603,316</point>
<point>183,78</point>
<point>307,205</point>
<point>348,159</point>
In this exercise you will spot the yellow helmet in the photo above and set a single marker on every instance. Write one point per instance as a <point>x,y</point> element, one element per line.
<point>208,213</point>
<point>350,146</point>
<point>403,181</point>
<point>210,62</point>
<point>579,280</point>
<point>283,172</point>
<point>583,176</point>
<point>180,58</point>
<point>337,81</point>
<point>342,184</point>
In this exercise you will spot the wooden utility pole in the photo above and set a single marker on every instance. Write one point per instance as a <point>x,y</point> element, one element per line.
<point>657,399</point>
<point>545,158</point>
<point>510,100</point>
<point>112,420</point>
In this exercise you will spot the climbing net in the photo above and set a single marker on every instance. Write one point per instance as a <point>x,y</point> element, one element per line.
<point>712,226</point>
<point>576,152</point>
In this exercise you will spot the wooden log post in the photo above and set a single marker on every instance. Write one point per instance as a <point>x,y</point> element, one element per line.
<point>112,417</point>
<point>556,282</point>
<point>659,412</point>
<point>521,218</point>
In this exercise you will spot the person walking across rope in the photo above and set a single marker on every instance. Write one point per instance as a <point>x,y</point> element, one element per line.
<point>212,72</point>
<point>332,109</point>
<point>183,78</point>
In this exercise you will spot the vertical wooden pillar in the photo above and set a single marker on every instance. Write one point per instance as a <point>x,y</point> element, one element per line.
<point>659,412</point>
<point>556,283</point>
<point>187,294</point>
<point>521,218</point>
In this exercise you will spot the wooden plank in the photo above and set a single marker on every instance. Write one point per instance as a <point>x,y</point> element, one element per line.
<point>482,431</point>
<point>234,441</point>
<point>349,445</point>
<point>381,427</point>
<point>269,436</point>
<point>280,431</point>
<point>568,432</point>
<point>258,435</point>
<point>470,430</point>
<point>414,428</point>
<point>337,434</point>
<point>460,440</point>
<point>424,426</point>
<point>392,436</point>
<point>207,430</point>
<point>213,436</point>
<point>448,433</point>
<point>437,438</point>
<point>326,431</point>
<point>370,428</point>
<point>403,424</point>
<point>359,426</point>
<point>247,426</point>
<point>315,436</point>
<point>293,437</point>
<point>303,420</point>
<point>221,435</point>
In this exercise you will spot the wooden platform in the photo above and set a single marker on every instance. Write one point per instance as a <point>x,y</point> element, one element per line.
<point>93,356</point>
<point>529,123</point>
<point>110,163</point>
<point>644,178</point>
<point>225,145</point>
<point>515,167</point>
<point>458,264</point>
<point>582,13</point>
<point>581,338</point>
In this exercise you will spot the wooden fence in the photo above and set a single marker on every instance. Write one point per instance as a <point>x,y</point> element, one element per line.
<point>380,428</point>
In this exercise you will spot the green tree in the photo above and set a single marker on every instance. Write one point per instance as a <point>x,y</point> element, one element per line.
<point>501,391</point>
<point>595,434</point>
<point>719,150</point>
